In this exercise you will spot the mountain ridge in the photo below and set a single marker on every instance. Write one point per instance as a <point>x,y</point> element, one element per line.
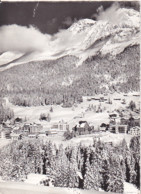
<point>86,38</point>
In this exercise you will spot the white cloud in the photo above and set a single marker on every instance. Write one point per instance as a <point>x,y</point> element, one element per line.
<point>119,16</point>
<point>23,39</point>
<point>65,39</point>
<point>111,14</point>
<point>26,39</point>
<point>69,21</point>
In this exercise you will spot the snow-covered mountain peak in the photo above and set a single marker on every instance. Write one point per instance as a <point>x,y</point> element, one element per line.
<point>81,25</point>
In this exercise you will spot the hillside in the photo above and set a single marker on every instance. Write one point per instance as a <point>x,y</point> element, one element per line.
<point>62,81</point>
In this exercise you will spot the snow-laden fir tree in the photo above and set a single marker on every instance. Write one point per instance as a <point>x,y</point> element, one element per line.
<point>115,181</point>
<point>92,176</point>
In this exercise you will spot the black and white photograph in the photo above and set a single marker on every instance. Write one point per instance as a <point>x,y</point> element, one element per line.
<point>69,97</point>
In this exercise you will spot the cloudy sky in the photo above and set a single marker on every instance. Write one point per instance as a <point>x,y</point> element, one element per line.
<point>32,26</point>
<point>50,17</point>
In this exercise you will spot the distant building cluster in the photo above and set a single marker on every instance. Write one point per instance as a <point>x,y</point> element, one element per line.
<point>124,124</point>
<point>119,122</point>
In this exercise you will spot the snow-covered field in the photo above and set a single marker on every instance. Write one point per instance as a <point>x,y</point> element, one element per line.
<point>88,139</point>
<point>22,188</point>
<point>73,115</point>
<point>32,114</point>
<point>84,139</point>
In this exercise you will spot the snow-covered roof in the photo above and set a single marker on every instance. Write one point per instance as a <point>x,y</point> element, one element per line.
<point>81,124</point>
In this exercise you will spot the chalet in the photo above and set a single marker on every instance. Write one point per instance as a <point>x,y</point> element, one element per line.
<point>134,131</point>
<point>104,127</point>
<point>54,126</point>
<point>63,125</point>
<point>5,132</point>
<point>118,125</point>
<point>133,122</point>
<point>34,128</point>
<point>40,179</point>
<point>117,128</point>
<point>137,122</point>
<point>124,121</point>
<point>114,118</point>
<point>82,128</point>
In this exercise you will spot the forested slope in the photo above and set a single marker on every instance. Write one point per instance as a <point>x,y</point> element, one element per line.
<point>61,81</point>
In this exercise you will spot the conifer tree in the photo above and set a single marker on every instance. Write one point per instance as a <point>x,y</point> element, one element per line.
<point>115,182</point>
<point>62,169</point>
<point>105,175</point>
<point>93,169</point>
<point>135,162</point>
<point>74,171</point>
<point>51,109</point>
<point>81,164</point>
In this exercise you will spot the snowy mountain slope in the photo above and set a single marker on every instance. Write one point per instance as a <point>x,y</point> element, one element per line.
<point>81,25</point>
<point>86,38</point>
<point>7,57</point>
<point>51,81</point>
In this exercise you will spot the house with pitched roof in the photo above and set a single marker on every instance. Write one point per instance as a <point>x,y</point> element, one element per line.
<point>82,127</point>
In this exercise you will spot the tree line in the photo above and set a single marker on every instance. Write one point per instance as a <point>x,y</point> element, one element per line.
<point>5,112</point>
<point>97,166</point>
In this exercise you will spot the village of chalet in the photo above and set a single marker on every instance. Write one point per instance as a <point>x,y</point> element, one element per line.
<point>119,121</point>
